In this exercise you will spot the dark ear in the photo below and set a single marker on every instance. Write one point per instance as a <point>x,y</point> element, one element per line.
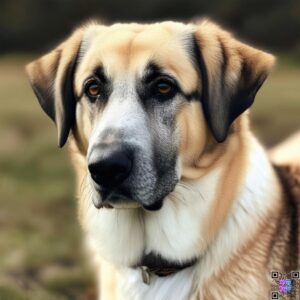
<point>51,77</point>
<point>231,73</point>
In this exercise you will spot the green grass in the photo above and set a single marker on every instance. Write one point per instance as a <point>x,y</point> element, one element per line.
<point>40,256</point>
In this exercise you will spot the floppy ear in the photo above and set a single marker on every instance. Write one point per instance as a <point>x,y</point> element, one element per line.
<point>231,73</point>
<point>51,77</point>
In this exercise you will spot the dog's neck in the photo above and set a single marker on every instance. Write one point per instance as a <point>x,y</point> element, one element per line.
<point>233,252</point>
<point>257,200</point>
<point>190,224</point>
<point>155,265</point>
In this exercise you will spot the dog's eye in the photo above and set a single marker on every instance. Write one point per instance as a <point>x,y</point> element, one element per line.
<point>92,89</point>
<point>164,88</point>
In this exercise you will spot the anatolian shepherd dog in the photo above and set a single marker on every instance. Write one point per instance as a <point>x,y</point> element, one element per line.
<point>176,196</point>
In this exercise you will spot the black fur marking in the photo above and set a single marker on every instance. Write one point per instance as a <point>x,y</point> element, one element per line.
<point>195,95</point>
<point>160,266</point>
<point>100,73</point>
<point>202,71</point>
<point>147,89</point>
<point>157,205</point>
<point>155,72</point>
<point>224,62</point>
<point>69,101</point>
<point>245,93</point>
<point>45,98</point>
<point>221,105</point>
<point>152,71</point>
<point>105,85</point>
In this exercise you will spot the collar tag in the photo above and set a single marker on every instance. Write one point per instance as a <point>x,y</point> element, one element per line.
<point>145,274</point>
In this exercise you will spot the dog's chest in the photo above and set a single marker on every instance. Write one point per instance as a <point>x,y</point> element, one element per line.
<point>174,232</point>
<point>176,286</point>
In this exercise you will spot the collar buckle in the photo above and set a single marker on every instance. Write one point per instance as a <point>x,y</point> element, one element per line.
<point>146,274</point>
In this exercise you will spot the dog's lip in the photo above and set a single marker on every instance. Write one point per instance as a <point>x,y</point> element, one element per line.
<point>116,200</point>
<point>154,206</point>
<point>121,202</point>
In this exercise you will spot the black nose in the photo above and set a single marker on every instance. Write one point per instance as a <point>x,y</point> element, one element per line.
<point>112,168</point>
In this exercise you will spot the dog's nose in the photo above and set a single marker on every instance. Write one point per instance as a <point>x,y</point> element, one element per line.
<point>112,168</point>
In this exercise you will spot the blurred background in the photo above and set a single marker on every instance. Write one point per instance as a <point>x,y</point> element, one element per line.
<point>40,253</point>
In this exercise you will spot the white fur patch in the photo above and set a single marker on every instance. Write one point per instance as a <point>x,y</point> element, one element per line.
<point>174,232</point>
<point>177,286</point>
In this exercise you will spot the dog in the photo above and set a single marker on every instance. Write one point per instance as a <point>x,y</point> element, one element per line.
<point>177,198</point>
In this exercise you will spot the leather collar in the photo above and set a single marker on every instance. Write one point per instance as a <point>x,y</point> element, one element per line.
<point>154,264</point>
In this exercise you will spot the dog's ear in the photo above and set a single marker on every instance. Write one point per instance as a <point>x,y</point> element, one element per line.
<point>231,74</point>
<point>51,77</point>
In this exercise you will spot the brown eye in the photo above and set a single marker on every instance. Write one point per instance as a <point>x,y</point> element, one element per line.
<point>164,88</point>
<point>92,89</point>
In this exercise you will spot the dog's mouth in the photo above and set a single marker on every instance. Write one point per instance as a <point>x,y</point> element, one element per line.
<point>113,199</point>
<point>121,200</point>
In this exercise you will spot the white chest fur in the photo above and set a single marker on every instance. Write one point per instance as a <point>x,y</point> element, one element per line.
<point>177,286</point>
<point>123,236</point>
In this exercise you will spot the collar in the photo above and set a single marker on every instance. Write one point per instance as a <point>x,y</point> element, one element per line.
<point>154,264</point>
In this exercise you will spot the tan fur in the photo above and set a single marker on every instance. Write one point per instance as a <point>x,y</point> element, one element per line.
<point>198,161</point>
<point>245,270</point>
<point>288,151</point>
<point>234,171</point>
<point>126,49</point>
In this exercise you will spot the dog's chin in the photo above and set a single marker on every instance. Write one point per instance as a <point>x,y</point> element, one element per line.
<point>124,204</point>
<point>128,204</point>
<point>117,203</point>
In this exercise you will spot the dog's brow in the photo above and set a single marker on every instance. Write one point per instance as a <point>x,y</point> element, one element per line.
<point>153,71</point>
<point>98,72</point>
<point>101,74</point>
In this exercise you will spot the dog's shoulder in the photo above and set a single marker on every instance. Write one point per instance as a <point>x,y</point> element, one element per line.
<point>289,175</point>
<point>286,161</point>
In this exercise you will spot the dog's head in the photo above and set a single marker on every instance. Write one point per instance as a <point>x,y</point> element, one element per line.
<point>144,101</point>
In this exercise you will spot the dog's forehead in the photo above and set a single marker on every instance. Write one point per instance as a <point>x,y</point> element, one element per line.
<point>124,49</point>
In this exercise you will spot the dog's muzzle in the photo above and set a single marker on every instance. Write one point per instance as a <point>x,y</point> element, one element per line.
<point>110,166</point>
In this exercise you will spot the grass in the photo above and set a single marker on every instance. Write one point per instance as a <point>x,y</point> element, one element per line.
<point>40,256</point>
